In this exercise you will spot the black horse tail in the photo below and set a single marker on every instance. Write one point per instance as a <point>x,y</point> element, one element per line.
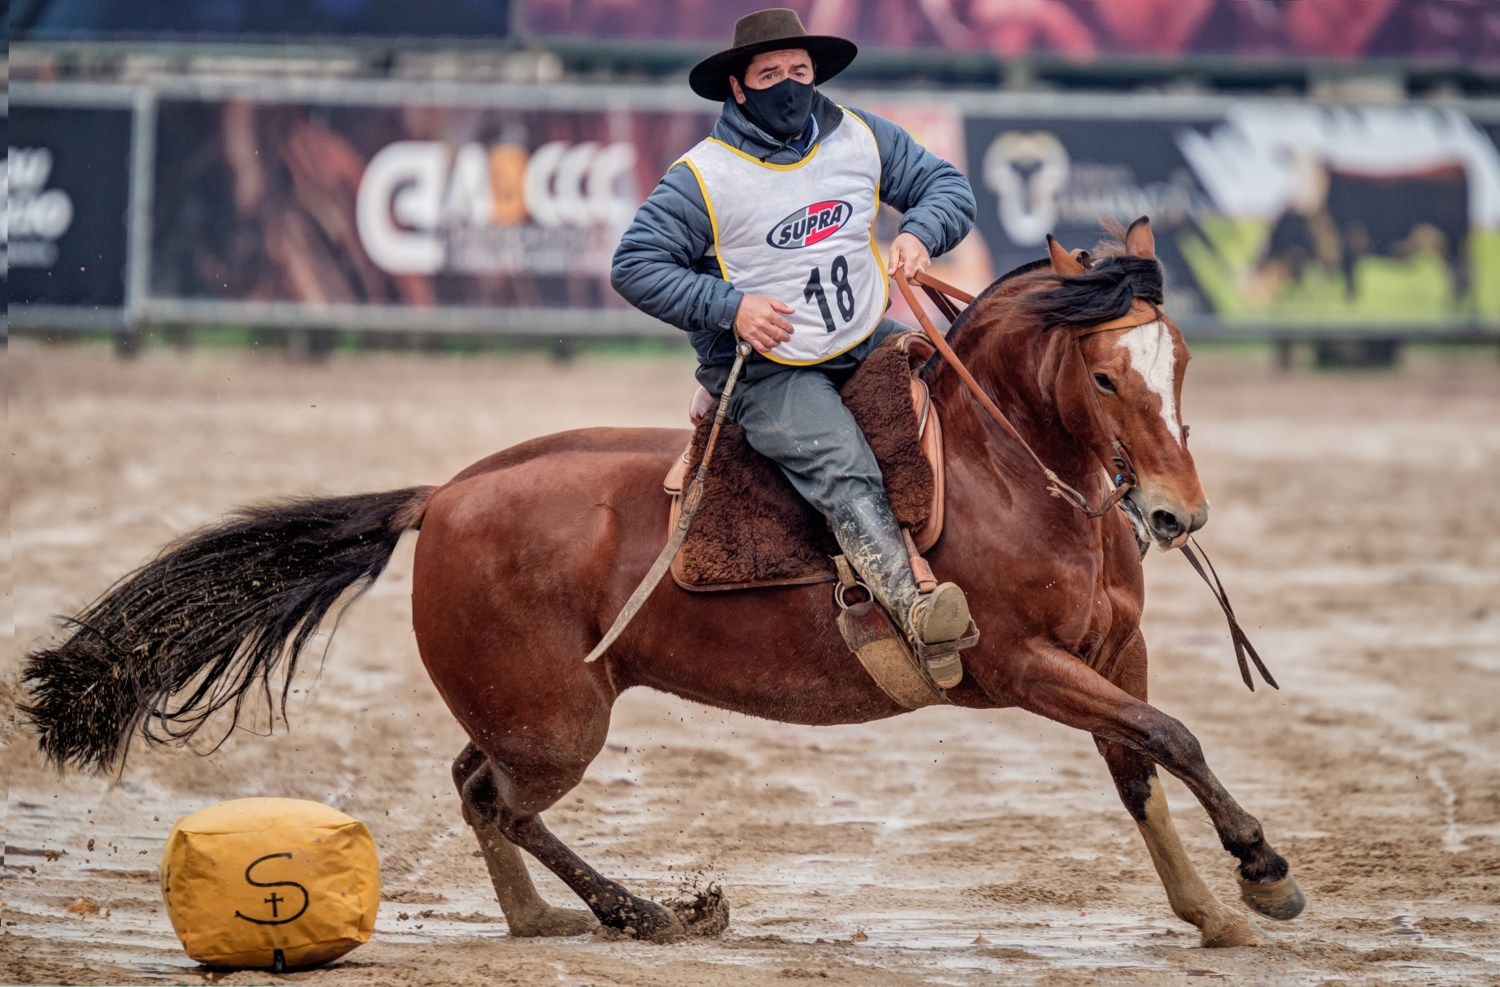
<point>210,618</point>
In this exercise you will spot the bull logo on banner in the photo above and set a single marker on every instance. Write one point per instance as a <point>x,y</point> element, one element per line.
<point>1027,172</point>
<point>425,207</point>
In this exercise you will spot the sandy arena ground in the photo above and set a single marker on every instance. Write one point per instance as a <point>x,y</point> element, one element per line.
<point>1354,522</point>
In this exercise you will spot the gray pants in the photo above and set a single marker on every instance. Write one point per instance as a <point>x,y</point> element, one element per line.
<point>795,417</point>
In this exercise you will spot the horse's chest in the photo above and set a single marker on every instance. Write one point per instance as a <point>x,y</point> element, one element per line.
<point>1094,610</point>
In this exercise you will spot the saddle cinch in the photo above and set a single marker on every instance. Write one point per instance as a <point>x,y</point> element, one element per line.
<point>753,530</point>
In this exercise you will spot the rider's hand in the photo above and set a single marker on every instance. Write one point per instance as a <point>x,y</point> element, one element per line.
<point>759,322</point>
<point>908,254</point>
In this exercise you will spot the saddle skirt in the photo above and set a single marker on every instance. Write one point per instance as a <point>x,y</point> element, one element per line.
<point>752,528</point>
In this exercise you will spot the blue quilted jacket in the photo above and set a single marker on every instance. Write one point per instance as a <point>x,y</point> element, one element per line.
<point>663,266</point>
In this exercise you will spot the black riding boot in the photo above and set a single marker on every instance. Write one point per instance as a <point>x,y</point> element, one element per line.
<point>937,623</point>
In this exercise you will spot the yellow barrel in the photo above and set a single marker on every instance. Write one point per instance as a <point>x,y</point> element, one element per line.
<point>270,883</point>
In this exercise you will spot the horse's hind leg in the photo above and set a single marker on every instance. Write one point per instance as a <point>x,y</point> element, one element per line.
<point>509,800</point>
<point>525,911</point>
<point>610,902</point>
<point>1055,684</point>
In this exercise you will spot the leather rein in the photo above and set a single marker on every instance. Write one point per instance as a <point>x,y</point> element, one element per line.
<point>943,296</point>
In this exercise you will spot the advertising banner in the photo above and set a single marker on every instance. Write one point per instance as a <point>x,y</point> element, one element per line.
<point>513,211</point>
<point>939,127</point>
<point>5,228</point>
<point>1267,214</point>
<point>67,174</point>
<point>251,20</point>
<point>1433,32</point>
<point>500,210</point>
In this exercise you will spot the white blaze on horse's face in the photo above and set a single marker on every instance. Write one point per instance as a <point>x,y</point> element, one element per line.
<point>1154,358</point>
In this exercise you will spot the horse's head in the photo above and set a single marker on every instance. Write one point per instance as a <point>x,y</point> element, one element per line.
<point>1116,367</point>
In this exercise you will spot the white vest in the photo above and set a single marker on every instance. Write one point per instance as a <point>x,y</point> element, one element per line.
<point>802,233</point>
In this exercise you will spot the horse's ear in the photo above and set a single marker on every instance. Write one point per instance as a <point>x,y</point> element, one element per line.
<point>1062,261</point>
<point>1139,240</point>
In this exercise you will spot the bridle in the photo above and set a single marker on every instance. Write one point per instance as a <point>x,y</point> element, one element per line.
<point>943,296</point>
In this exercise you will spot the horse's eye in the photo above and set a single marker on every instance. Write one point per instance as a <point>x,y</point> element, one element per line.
<point>1105,384</point>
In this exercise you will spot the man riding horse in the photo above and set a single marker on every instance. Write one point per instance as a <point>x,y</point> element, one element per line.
<point>764,232</point>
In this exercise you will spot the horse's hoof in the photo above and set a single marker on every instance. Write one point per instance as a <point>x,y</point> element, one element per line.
<point>1280,900</point>
<point>704,913</point>
<point>646,920</point>
<point>553,921</point>
<point>1234,930</point>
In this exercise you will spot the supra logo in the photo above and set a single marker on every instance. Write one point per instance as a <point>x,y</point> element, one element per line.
<point>810,224</point>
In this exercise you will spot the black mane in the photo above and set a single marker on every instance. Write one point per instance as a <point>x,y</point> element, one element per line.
<point>1104,292</point>
<point>963,317</point>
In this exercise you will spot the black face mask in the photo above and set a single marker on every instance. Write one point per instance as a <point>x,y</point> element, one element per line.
<point>781,110</point>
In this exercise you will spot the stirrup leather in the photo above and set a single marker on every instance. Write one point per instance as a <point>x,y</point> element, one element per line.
<point>881,646</point>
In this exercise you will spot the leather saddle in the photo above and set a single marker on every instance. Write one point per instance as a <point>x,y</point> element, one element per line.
<point>752,529</point>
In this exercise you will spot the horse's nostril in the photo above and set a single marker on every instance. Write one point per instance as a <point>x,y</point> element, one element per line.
<point>1165,524</point>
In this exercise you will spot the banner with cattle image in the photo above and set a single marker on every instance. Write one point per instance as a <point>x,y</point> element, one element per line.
<point>1268,216</point>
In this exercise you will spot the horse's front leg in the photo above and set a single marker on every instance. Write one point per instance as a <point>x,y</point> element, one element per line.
<point>1135,779</point>
<point>1192,901</point>
<point>1059,686</point>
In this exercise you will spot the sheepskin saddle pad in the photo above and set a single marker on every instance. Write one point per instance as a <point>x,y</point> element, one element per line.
<point>753,530</point>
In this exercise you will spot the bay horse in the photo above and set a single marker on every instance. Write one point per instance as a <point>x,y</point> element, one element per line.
<point>526,557</point>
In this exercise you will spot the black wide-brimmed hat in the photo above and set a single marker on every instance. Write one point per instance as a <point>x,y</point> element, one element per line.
<point>769,30</point>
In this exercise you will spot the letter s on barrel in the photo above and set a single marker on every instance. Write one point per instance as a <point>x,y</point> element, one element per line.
<point>276,915</point>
